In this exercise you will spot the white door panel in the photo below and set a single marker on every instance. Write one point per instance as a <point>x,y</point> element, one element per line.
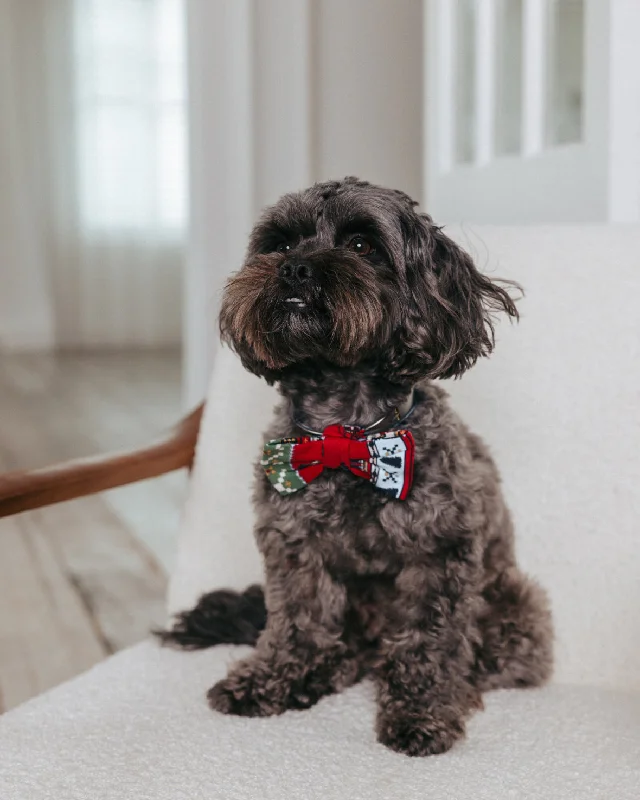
<point>524,99</point>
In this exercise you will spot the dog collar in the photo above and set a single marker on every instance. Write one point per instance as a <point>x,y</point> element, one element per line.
<point>393,419</point>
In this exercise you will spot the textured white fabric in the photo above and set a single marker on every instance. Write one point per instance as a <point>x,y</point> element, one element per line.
<point>136,728</point>
<point>558,402</point>
<point>216,546</point>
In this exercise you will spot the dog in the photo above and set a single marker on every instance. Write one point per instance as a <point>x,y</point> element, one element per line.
<point>355,303</point>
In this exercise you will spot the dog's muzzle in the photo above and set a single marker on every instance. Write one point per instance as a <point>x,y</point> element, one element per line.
<point>298,278</point>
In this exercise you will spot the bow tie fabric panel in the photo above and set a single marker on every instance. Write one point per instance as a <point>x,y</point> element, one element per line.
<point>385,459</point>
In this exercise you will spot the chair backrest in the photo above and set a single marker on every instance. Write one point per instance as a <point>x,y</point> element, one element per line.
<point>559,404</point>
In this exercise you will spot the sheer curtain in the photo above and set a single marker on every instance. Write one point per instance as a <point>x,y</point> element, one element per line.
<point>26,314</point>
<point>100,85</point>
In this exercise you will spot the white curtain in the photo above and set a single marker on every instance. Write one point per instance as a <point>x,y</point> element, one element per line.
<point>94,136</point>
<point>26,314</point>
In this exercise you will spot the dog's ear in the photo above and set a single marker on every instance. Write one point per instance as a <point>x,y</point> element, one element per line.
<point>449,324</point>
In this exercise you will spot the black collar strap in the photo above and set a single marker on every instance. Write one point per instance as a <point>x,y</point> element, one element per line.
<point>389,421</point>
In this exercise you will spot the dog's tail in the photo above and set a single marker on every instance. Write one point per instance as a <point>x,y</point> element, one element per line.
<point>220,617</point>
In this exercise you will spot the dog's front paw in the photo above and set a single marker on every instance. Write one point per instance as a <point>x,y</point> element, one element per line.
<point>243,695</point>
<point>236,696</point>
<point>418,737</point>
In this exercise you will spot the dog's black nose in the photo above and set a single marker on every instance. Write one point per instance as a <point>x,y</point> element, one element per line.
<point>296,271</point>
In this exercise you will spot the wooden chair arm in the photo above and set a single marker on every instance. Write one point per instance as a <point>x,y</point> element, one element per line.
<point>29,489</point>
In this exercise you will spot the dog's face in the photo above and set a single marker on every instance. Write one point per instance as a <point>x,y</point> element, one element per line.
<point>347,272</point>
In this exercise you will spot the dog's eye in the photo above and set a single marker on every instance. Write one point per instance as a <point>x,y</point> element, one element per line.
<point>284,247</point>
<point>360,246</point>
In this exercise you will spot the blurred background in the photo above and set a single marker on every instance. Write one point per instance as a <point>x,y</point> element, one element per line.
<point>138,141</point>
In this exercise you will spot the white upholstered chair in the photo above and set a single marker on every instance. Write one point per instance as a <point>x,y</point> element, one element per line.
<point>559,403</point>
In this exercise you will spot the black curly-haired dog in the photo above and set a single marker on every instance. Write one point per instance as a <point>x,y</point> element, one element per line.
<point>354,303</point>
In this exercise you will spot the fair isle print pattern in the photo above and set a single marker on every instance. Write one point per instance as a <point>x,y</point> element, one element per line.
<point>385,459</point>
<point>276,460</point>
<point>391,469</point>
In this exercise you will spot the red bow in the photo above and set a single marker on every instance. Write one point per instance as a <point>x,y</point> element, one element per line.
<point>385,459</point>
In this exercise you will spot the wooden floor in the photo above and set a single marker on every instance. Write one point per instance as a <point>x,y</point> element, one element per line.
<point>83,579</point>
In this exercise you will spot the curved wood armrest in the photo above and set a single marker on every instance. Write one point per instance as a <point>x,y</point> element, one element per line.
<point>29,489</point>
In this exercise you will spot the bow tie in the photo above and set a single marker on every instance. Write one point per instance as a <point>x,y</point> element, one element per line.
<point>385,458</point>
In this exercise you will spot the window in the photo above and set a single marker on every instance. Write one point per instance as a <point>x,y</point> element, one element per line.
<point>131,115</point>
<point>508,106</point>
<point>565,71</point>
<point>465,101</point>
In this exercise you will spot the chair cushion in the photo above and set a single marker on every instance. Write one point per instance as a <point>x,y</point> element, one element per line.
<point>137,726</point>
<point>557,403</point>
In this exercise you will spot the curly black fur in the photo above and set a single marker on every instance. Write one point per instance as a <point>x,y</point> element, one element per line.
<point>221,617</point>
<point>423,595</point>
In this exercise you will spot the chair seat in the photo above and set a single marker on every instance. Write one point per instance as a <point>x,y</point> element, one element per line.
<point>137,726</point>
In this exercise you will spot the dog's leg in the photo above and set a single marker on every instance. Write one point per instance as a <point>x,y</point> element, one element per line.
<point>517,634</point>
<point>300,656</point>
<point>423,678</point>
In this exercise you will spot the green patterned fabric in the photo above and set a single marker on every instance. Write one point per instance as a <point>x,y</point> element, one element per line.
<point>276,460</point>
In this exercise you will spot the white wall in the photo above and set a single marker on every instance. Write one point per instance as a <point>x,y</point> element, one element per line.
<point>369,91</point>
